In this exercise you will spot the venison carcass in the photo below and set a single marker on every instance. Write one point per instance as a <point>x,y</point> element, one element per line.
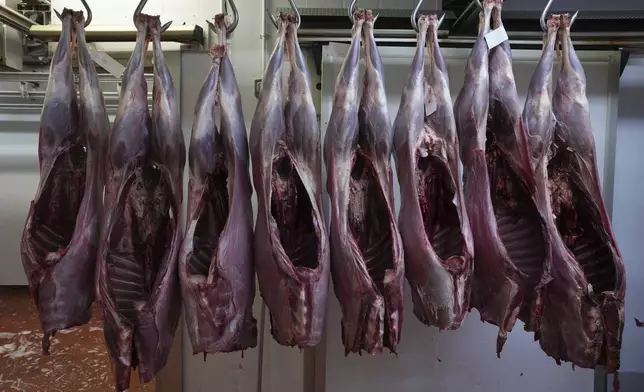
<point>138,286</point>
<point>216,262</point>
<point>366,249</point>
<point>291,242</point>
<point>433,222</point>
<point>539,125</point>
<point>509,234</point>
<point>60,238</point>
<point>583,309</point>
<point>520,225</point>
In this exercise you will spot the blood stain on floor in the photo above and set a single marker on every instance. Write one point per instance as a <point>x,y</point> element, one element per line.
<point>78,360</point>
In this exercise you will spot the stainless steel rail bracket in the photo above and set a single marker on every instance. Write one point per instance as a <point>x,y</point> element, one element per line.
<point>258,87</point>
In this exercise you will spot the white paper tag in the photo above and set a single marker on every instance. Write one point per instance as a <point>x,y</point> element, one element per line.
<point>108,63</point>
<point>430,107</point>
<point>496,37</point>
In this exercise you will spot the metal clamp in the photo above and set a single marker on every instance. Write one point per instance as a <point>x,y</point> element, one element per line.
<point>258,87</point>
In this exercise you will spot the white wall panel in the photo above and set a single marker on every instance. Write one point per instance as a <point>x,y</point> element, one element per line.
<point>19,178</point>
<point>628,209</point>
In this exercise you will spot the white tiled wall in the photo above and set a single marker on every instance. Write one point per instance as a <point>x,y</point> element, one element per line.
<point>628,208</point>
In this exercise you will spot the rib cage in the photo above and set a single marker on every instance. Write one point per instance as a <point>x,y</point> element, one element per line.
<point>211,221</point>
<point>368,220</point>
<point>56,209</point>
<point>518,220</point>
<point>440,217</point>
<point>575,222</point>
<point>447,241</point>
<point>199,263</point>
<point>134,257</point>
<point>303,254</point>
<point>45,240</point>
<point>596,260</point>
<point>517,235</point>
<point>378,260</point>
<point>292,210</point>
<point>126,282</point>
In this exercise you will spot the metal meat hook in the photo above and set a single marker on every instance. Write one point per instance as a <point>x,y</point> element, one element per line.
<point>233,25</point>
<point>351,10</point>
<point>414,14</point>
<point>295,10</point>
<point>463,14</point>
<point>138,10</point>
<point>88,20</point>
<point>544,16</point>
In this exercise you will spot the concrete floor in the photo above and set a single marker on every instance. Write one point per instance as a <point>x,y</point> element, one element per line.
<point>78,360</point>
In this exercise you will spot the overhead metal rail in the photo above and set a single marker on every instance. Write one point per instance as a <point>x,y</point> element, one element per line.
<point>93,33</point>
<point>592,30</point>
<point>43,77</point>
<point>605,40</point>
